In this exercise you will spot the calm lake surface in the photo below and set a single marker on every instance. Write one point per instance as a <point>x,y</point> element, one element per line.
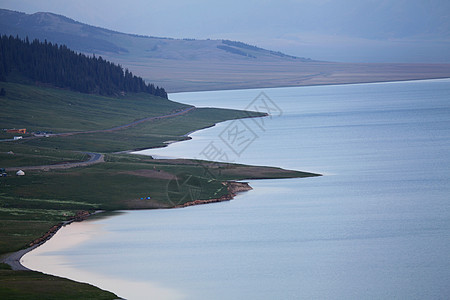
<point>377,225</point>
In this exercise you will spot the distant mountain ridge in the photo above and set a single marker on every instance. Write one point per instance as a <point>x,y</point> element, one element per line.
<point>55,28</point>
<point>95,40</point>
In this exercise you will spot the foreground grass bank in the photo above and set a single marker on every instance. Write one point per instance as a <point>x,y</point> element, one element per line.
<point>34,285</point>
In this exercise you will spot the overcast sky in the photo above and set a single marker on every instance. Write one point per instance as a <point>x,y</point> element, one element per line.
<point>335,30</point>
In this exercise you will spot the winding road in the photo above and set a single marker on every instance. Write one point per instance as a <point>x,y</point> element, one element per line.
<point>132,124</point>
<point>14,259</point>
<point>94,158</point>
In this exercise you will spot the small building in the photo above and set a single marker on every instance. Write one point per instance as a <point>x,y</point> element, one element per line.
<point>20,173</point>
<point>22,131</point>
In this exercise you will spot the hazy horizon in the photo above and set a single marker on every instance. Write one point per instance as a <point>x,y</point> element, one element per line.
<point>346,31</point>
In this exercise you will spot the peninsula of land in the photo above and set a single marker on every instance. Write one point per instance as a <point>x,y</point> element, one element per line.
<point>74,165</point>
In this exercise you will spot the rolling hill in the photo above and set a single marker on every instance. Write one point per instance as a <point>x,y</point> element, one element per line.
<point>193,65</point>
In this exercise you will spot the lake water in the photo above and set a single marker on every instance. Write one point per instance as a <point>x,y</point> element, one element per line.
<point>376,226</point>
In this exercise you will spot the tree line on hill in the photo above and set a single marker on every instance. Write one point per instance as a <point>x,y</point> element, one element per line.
<point>49,63</point>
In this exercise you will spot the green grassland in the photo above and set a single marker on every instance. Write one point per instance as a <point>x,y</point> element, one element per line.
<point>61,111</point>
<point>30,205</point>
<point>14,154</point>
<point>146,135</point>
<point>24,285</point>
<point>58,110</point>
<point>120,183</point>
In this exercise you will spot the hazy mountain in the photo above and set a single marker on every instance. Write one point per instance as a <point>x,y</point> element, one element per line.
<point>385,31</point>
<point>94,40</point>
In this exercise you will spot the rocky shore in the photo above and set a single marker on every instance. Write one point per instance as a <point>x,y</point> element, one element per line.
<point>233,187</point>
<point>78,217</point>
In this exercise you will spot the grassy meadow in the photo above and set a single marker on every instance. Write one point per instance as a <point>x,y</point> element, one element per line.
<point>61,111</point>
<point>24,285</point>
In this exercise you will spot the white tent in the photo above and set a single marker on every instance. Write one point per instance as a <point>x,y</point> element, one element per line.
<point>20,173</point>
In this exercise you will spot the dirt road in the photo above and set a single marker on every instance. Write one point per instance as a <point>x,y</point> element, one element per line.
<point>94,158</point>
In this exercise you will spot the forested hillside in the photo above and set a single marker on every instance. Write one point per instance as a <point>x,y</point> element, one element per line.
<point>57,65</point>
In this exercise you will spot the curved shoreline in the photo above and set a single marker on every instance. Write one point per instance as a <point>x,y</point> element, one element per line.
<point>13,259</point>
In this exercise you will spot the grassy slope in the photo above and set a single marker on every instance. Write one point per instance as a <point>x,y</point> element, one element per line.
<point>26,285</point>
<point>30,205</point>
<point>145,135</point>
<point>48,109</point>
<point>15,154</point>
<point>45,109</point>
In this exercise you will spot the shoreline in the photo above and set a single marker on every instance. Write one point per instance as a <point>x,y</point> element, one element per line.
<point>265,86</point>
<point>185,136</point>
<point>14,259</point>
